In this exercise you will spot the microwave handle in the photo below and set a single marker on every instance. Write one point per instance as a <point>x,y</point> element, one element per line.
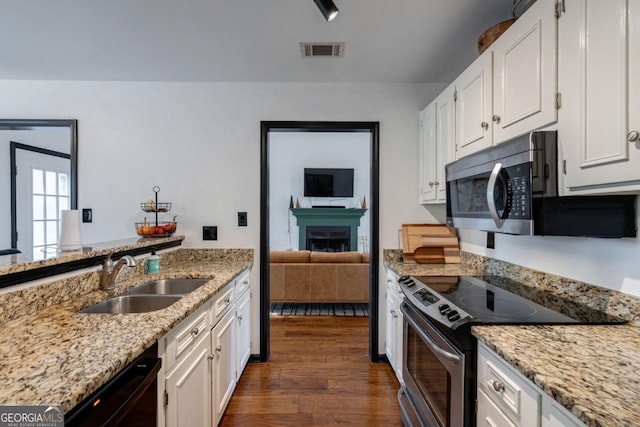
<point>491,186</point>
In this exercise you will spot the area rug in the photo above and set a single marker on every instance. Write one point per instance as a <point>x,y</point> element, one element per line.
<point>314,309</point>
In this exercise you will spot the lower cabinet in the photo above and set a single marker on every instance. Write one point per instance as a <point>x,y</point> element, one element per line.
<point>508,398</point>
<point>203,357</point>
<point>223,380</point>
<point>393,335</point>
<point>187,388</point>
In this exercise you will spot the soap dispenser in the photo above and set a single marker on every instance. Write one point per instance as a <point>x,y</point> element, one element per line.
<point>153,264</point>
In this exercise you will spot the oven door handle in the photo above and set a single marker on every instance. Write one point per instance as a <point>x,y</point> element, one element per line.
<point>491,203</point>
<point>431,343</point>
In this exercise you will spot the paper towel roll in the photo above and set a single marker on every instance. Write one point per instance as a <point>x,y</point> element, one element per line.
<point>70,231</point>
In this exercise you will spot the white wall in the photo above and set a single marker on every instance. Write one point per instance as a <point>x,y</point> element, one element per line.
<point>611,263</point>
<point>290,153</point>
<point>200,142</point>
<point>52,139</point>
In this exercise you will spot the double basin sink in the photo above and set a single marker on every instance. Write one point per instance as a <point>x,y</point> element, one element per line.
<point>150,296</point>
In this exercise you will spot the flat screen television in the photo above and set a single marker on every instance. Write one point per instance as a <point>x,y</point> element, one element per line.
<point>328,182</point>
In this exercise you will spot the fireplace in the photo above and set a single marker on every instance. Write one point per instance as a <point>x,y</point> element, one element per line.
<point>322,238</point>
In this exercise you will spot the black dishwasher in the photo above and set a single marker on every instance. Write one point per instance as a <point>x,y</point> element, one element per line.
<point>128,399</point>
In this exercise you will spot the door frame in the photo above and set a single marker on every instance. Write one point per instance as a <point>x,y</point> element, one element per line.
<point>315,126</point>
<point>13,147</point>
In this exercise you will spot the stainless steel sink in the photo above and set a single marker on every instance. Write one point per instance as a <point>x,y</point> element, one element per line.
<point>133,304</point>
<point>168,287</point>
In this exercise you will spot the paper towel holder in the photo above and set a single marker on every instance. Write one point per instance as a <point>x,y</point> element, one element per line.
<point>70,231</point>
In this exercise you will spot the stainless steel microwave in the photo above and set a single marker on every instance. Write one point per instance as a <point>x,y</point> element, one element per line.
<point>513,188</point>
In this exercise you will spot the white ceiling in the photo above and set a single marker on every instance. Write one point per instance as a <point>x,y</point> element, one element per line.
<point>419,41</point>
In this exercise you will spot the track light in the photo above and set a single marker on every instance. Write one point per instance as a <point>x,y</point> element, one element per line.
<point>328,9</point>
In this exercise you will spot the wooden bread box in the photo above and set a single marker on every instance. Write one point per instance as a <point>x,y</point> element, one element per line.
<point>430,244</point>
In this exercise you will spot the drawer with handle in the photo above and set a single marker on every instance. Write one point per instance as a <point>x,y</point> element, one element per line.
<point>183,336</point>
<point>503,385</point>
<point>222,303</point>
<point>242,284</point>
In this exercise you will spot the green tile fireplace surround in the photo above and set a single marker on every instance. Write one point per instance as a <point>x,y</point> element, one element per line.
<point>328,217</point>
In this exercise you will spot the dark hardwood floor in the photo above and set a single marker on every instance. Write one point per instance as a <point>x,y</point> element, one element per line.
<point>319,374</point>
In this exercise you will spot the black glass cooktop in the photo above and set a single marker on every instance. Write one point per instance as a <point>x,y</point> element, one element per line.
<point>496,300</point>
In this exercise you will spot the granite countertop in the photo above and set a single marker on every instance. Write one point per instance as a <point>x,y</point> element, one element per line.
<point>594,371</point>
<point>57,356</point>
<point>27,261</point>
<point>393,261</point>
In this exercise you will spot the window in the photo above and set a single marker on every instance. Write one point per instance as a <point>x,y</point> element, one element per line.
<point>50,197</point>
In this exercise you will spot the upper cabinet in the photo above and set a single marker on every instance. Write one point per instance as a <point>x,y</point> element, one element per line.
<point>599,122</point>
<point>511,89</point>
<point>525,73</point>
<point>474,107</point>
<point>437,130</point>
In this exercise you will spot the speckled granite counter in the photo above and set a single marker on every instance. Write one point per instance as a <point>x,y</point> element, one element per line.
<point>594,371</point>
<point>393,261</point>
<point>58,356</point>
<point>27,261</point>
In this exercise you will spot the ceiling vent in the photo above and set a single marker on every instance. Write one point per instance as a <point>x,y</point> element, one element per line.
<point>322,50</point>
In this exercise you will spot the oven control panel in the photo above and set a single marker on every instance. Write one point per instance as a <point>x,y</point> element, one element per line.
<point>430,302</point>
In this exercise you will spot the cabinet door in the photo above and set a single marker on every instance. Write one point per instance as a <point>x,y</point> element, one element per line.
<point>554,415</point>
<point>473,126</point>
<point>224,363</point>
<point>445,139</point>
<point>398,356</point>
<point>525,73</point>
<point>489,415</point>
<point>427,153</point>
<point>188,388</point>
<point>598,65</point>
<point>390,337</point>
<point>243,333</point>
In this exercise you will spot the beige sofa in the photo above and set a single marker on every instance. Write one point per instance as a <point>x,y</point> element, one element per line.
<point>305,276</point>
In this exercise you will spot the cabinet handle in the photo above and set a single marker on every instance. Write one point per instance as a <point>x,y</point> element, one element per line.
<point>484,125</point>
<point>633,136</point>
<point>227,301</point>
<point>210,357</point>
<point>195,331</point>
<point>218,349</point>
<point>239,317</point>
<point>437,183</point>
<point>430,183</point>
<point>496,118</point>
<point>498,386</point>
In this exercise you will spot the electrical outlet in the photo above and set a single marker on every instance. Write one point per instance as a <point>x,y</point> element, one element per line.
<point>87,215</point>
<point>209,232</point>
<point>491,240</point>
<point>242,219</point>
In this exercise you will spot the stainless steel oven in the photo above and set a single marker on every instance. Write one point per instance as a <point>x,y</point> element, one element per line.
<point>433,372</point>
<point>439,351</point>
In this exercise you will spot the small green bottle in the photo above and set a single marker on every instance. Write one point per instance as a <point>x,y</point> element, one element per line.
<point>153,264</point>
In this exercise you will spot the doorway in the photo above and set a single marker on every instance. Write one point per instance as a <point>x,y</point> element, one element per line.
<point>370,128</point>
<point>41,192</point>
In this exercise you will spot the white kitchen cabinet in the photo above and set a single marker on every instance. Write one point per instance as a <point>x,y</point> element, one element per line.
<point>474,107</point>
<point>437,131</point>
<point>525,73</point>
<point>243,325</point>
<point>599,122</point>
<point>393,334</point>
<point>489,415</point>
<point>427,146</point>
<point>511,88</point>
<point>203,358</point>
<point>187,389</point>
<point>508,398</point>
<point>223,378</point>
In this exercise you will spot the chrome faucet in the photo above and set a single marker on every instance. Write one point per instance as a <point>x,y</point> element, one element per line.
<point>110,270</point>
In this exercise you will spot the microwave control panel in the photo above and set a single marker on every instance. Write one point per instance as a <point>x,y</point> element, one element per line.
<point>519,191</point>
